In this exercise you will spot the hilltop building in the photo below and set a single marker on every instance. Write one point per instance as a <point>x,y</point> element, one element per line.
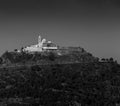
<point>43,45</point>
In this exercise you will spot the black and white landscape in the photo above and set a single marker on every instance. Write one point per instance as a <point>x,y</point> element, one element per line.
<point>59,53</point>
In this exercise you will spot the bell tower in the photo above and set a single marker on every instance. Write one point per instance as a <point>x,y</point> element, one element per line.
<point>39,39</point>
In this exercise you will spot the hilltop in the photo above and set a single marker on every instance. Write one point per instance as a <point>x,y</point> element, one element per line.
<point>65,76</point>
<point>62,55</point>
<point>46,52</point>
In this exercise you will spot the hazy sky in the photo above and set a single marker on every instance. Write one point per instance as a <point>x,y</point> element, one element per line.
<point>91,24</point>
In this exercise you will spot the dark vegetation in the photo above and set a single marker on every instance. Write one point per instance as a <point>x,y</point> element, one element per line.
<point>88,83</point>
<point>66,55</point>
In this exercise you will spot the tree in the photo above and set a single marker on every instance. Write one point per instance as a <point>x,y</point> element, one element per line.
<point>103,59</point>
<point>111,59</point>
<point>15,50</point>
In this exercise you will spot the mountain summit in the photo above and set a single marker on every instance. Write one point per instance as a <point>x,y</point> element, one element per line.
<point>47,52</point>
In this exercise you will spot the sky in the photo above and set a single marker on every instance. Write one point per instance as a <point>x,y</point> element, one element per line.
<point>91,24</point>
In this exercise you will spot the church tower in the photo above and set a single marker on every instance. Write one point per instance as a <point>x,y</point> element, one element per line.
<point>39,41</point>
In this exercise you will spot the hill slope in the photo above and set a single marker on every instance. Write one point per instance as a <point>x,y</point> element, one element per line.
<point>61,85</point>
<point>48,79</point>
<point>63,55</point>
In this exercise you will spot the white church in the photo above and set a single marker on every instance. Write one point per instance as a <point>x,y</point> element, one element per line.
<point>43,45</point>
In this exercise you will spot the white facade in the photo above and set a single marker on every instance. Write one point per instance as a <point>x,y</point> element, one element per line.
<point>41,46</point>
